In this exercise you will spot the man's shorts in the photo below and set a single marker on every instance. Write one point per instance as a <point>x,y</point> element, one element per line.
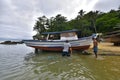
<point>95,49</point>
<point>65,54</point>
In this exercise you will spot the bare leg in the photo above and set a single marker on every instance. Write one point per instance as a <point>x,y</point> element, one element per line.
<point>95,54</point>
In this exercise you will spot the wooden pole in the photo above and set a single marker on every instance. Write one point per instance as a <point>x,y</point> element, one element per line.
<point>36,50</point>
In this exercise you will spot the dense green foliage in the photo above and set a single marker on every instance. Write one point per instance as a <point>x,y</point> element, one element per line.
<point>108,21</point>
<point>91,22</point>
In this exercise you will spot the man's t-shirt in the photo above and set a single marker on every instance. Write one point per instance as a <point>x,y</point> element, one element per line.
<point>66,47</point>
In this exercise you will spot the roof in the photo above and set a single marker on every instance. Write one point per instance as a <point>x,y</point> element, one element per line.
<point>59,32</point>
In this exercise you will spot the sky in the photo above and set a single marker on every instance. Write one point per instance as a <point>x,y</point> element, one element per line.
<point>17,17</point>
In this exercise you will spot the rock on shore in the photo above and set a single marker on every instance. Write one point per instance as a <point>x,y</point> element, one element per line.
<point>11,42</point>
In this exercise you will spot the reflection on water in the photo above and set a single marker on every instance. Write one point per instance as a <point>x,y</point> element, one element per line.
<point>21,63</point>
<point>52,66</point>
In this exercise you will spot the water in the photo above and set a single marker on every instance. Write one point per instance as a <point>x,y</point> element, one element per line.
<point>18,62</point>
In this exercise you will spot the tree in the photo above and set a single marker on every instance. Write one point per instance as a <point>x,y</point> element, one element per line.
<point>41,24</point>
<point>58,23</point>
<point>91,22</point>
<point>118,12</point>
<point>107,21</point>
<point>80,14</point>
<point>92,16</point>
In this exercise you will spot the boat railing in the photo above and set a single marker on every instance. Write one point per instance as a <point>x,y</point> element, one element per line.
<point>85,38</point>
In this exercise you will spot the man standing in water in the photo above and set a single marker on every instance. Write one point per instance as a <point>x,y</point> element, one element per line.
<point>67,50</point>
<point>95,46</point>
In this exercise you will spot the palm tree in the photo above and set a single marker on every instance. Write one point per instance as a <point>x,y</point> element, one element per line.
<point>119,11</point>
<point>92,15</point>
<point>80,14</point>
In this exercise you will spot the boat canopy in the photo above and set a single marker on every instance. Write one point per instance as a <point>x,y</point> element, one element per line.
<point>64,35</point>
<point>59,32</point>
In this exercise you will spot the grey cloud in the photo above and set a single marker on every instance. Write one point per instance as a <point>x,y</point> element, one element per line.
<point>24,6</point>
<point>17,17</point>
<point>15,32</point>
<point>51,6</point>
<point>15,22</point>
<point>107,5</point>
<point>3,7</point>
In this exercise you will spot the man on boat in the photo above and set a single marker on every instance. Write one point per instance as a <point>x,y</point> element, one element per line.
<point>67,50</point>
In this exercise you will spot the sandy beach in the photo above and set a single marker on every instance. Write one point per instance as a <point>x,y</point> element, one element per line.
<point>105,47</point>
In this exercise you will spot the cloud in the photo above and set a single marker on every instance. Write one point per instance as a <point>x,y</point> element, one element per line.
<point>17,17</point>
<point>68,8</point>
<point>107,5</point>
<point>15,21</point>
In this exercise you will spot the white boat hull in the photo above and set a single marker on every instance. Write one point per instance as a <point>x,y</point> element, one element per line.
<point>57,45</point>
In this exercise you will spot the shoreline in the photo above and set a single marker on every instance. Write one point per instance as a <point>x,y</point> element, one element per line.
<point>105,48</point>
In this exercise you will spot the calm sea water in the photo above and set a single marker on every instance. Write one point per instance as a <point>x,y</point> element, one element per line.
<point>19,62</point>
